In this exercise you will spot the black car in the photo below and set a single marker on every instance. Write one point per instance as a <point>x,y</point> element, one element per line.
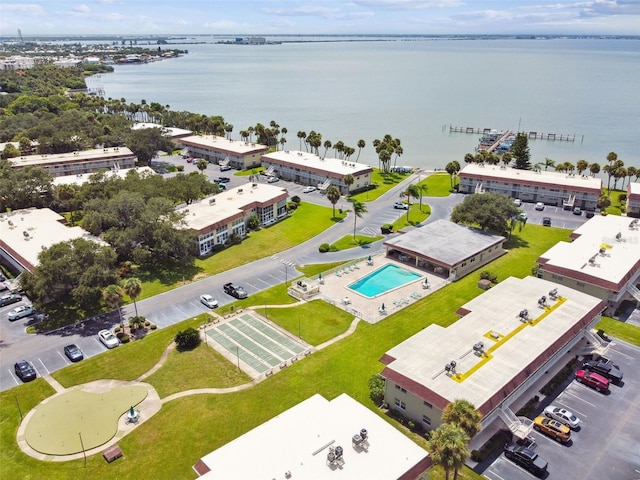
<point>73,353</point>
<point>25,371</point>
<point>526,458</point>
<point>234,291</point>
<point>9,299</point>
<point>222,180</point>
<point>607,370</point>
<point>546,221</point>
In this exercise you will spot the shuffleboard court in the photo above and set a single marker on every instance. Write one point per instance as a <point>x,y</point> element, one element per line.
<point>266,342</point>
<point>234,349</point>
<point>262,327</point>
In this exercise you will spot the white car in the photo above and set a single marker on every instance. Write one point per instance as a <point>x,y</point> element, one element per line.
<point>523,215</point>
<point>273,180</point>
<point>539,206</point>
<point>20,312</point>
<point>517,202</point>
<point>309,189</point>
<point>108,339</point>
<point>209,301</point>
<point>562,415</point>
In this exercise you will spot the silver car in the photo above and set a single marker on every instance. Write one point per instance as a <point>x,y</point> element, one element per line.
<point>562,415</point>
<point>209,301</point>
<point>108,339</point>
<point>20,312</point>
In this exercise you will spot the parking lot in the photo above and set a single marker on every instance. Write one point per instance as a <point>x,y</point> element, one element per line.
<point>560,218</point>
<point>607,445</point>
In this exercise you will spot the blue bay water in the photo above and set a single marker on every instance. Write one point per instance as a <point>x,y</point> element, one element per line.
<point>411,89</point>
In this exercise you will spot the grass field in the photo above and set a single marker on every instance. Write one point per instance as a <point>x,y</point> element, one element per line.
<point>348,242</point>
<point>190,427</point>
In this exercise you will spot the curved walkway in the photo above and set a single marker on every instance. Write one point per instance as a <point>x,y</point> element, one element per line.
<point>149,406</point>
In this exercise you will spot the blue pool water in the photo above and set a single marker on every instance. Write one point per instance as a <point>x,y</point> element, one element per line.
<point>382,280</point>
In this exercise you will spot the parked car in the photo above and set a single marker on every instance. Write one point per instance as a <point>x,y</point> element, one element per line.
<point>273,180</point>
<point>25,371</point>
<point>523,215</point>
<point>577,211</point>
<point>589,213</point>
<point>401,206</point>
<point>309,189</point>
<point>526,458</point>
<point>209,301</point>
<point>539,206</point>
<point>190,160</point>
<point>108,339</point>
<point>73,353</point>
<point>3,287</point>
<point>562,415</point>
<point>234,290</point>
<point>222,180</point>
<point>546,222</point>
<point>517,202</point>
<point>607,370</point>
<point>20,312</point>
<point>9,299</point>
<point>225,168</point>
<point>556,430</point>
<point>593,380</point>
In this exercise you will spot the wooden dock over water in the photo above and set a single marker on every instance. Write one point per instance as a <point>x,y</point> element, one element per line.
<point>532,135</point>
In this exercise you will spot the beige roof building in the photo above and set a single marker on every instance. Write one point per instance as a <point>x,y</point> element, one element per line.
<point>219,150</point>
<point>299,443</point>
<point>633,199</point>
<point>25,233</point>
<point>505,339</point>
<point>603,260</point>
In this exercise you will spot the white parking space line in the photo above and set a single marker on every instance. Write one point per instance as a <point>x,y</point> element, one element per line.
<point>43,366</point>
<point>580,398</point>
<point>251,285</point>
<point>572,409</point>
<point>264,281</point>
<point>620,353</point>
<point>99,342</point>
<point>494,474</point>
<point>13,376</point>
<point>64,358</point>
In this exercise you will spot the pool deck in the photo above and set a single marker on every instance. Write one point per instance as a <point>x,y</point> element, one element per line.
<point>335,291</point>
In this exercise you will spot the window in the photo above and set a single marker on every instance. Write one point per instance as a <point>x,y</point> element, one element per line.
<point>426,420</point>
<point>403,390</point>
<point>400,404</point>
<point>580,284</point>
<point>427,404</point>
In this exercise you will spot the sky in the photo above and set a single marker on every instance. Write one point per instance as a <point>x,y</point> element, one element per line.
<point>328,17</point>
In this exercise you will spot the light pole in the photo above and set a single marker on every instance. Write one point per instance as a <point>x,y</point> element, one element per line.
<point>299,327</point>
<point>84,453</point>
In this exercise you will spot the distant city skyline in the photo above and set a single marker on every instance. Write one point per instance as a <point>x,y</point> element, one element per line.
<point>323,17</point>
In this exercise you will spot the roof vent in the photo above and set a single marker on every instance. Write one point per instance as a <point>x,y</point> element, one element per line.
<point>450,367</point>
<point>212,201</point>
<point>478,348</point>
<point>553,294</point>
<point>524,315</point>
<point>619,236</point>
<point>542,302</point>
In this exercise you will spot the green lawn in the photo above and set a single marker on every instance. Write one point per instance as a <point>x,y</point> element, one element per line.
<point>191,427</point>
<point>250,171</point>
<point>348,242</point>
<point>416,216</point>
<point>307,221</point>
<point>624,331</point>
<point>383,181</point>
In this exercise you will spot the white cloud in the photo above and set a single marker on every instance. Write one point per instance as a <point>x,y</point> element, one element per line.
<point>82,8</point>
<point>22,8</point>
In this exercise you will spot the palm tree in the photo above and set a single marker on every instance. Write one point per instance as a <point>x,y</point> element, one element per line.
<point>464,414</point>
<point>548,162</point>
<point>594,169</point>
<point>581,166</point>
<point>631,172</point>
<point>133,288</point>
<point>412,191</point>
<point>327,146</point>
<point>348,181</point>
<point>423,189</point>
<point>333,195</point>
<point>452,169</point>
<point>301,134</point>
<point>448,448</point>
<point>112,296</point>
<point>361,145</point>
<point>358,209</point>
<point>202,165</point>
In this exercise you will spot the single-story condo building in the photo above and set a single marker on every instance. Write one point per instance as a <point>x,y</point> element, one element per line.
<point>506,339</point>
<point>321,172</point>
<point>446,248</point>
<point>215,218</point>
<point>171,132</point>
<point>81,178</point>
<point>222,151</point>
<point>318,439</point>
<point>25,233</point>
<point>633,199</point>
<point>550,188</point>
<point>603,260</point>
<point>74,163</point>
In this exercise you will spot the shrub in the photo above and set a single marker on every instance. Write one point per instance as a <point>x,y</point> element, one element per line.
<point>324,248</point>
<point>180,168</point>
<point>376,389</point>
<point>291,206</point>
<point>387,228</point>
<point>487,275</point>
<point>153,326</point>
<point>187,339</point>
<point>295,199</point>
<point>333,248</point>
<point>234,239</point>
<point>117,330</point>
<point>147,323</point>
<point>125,339</point>
<point>254,223</point>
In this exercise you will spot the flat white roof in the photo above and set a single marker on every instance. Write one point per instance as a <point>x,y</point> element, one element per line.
<point>214,142</point>
<point>170,131</point>
<point>43,228</point>
<point>634,188</point>
<point>514,345</point>
<point>298,441</point>
<point>529,176</point>
<point>94,154</point>
<point>227,204</point>
<point>445,241</point>
<point>81,178</point>
<point>311,161</point>
<point>612,265</point>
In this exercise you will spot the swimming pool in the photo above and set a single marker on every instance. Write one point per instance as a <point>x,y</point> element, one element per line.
<point>382,280</point>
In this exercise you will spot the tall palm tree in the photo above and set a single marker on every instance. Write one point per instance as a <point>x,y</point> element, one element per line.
<point>423,189</point>
<point>358,208</point>
<point>464,414</point>
<point>361,145</point>
<point>594,169</point>
<point>202,165</point>
<point>447,447</point>
<point>581,166</point>
<point>549,162</point>
<point>348,181</point>
<point>112,296</point>
<point>301,134</point>
<point>133,288</point>
<point>327,146</point>
<point>452,169</point>
<point>333,195</point>
<point>412,191</point>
